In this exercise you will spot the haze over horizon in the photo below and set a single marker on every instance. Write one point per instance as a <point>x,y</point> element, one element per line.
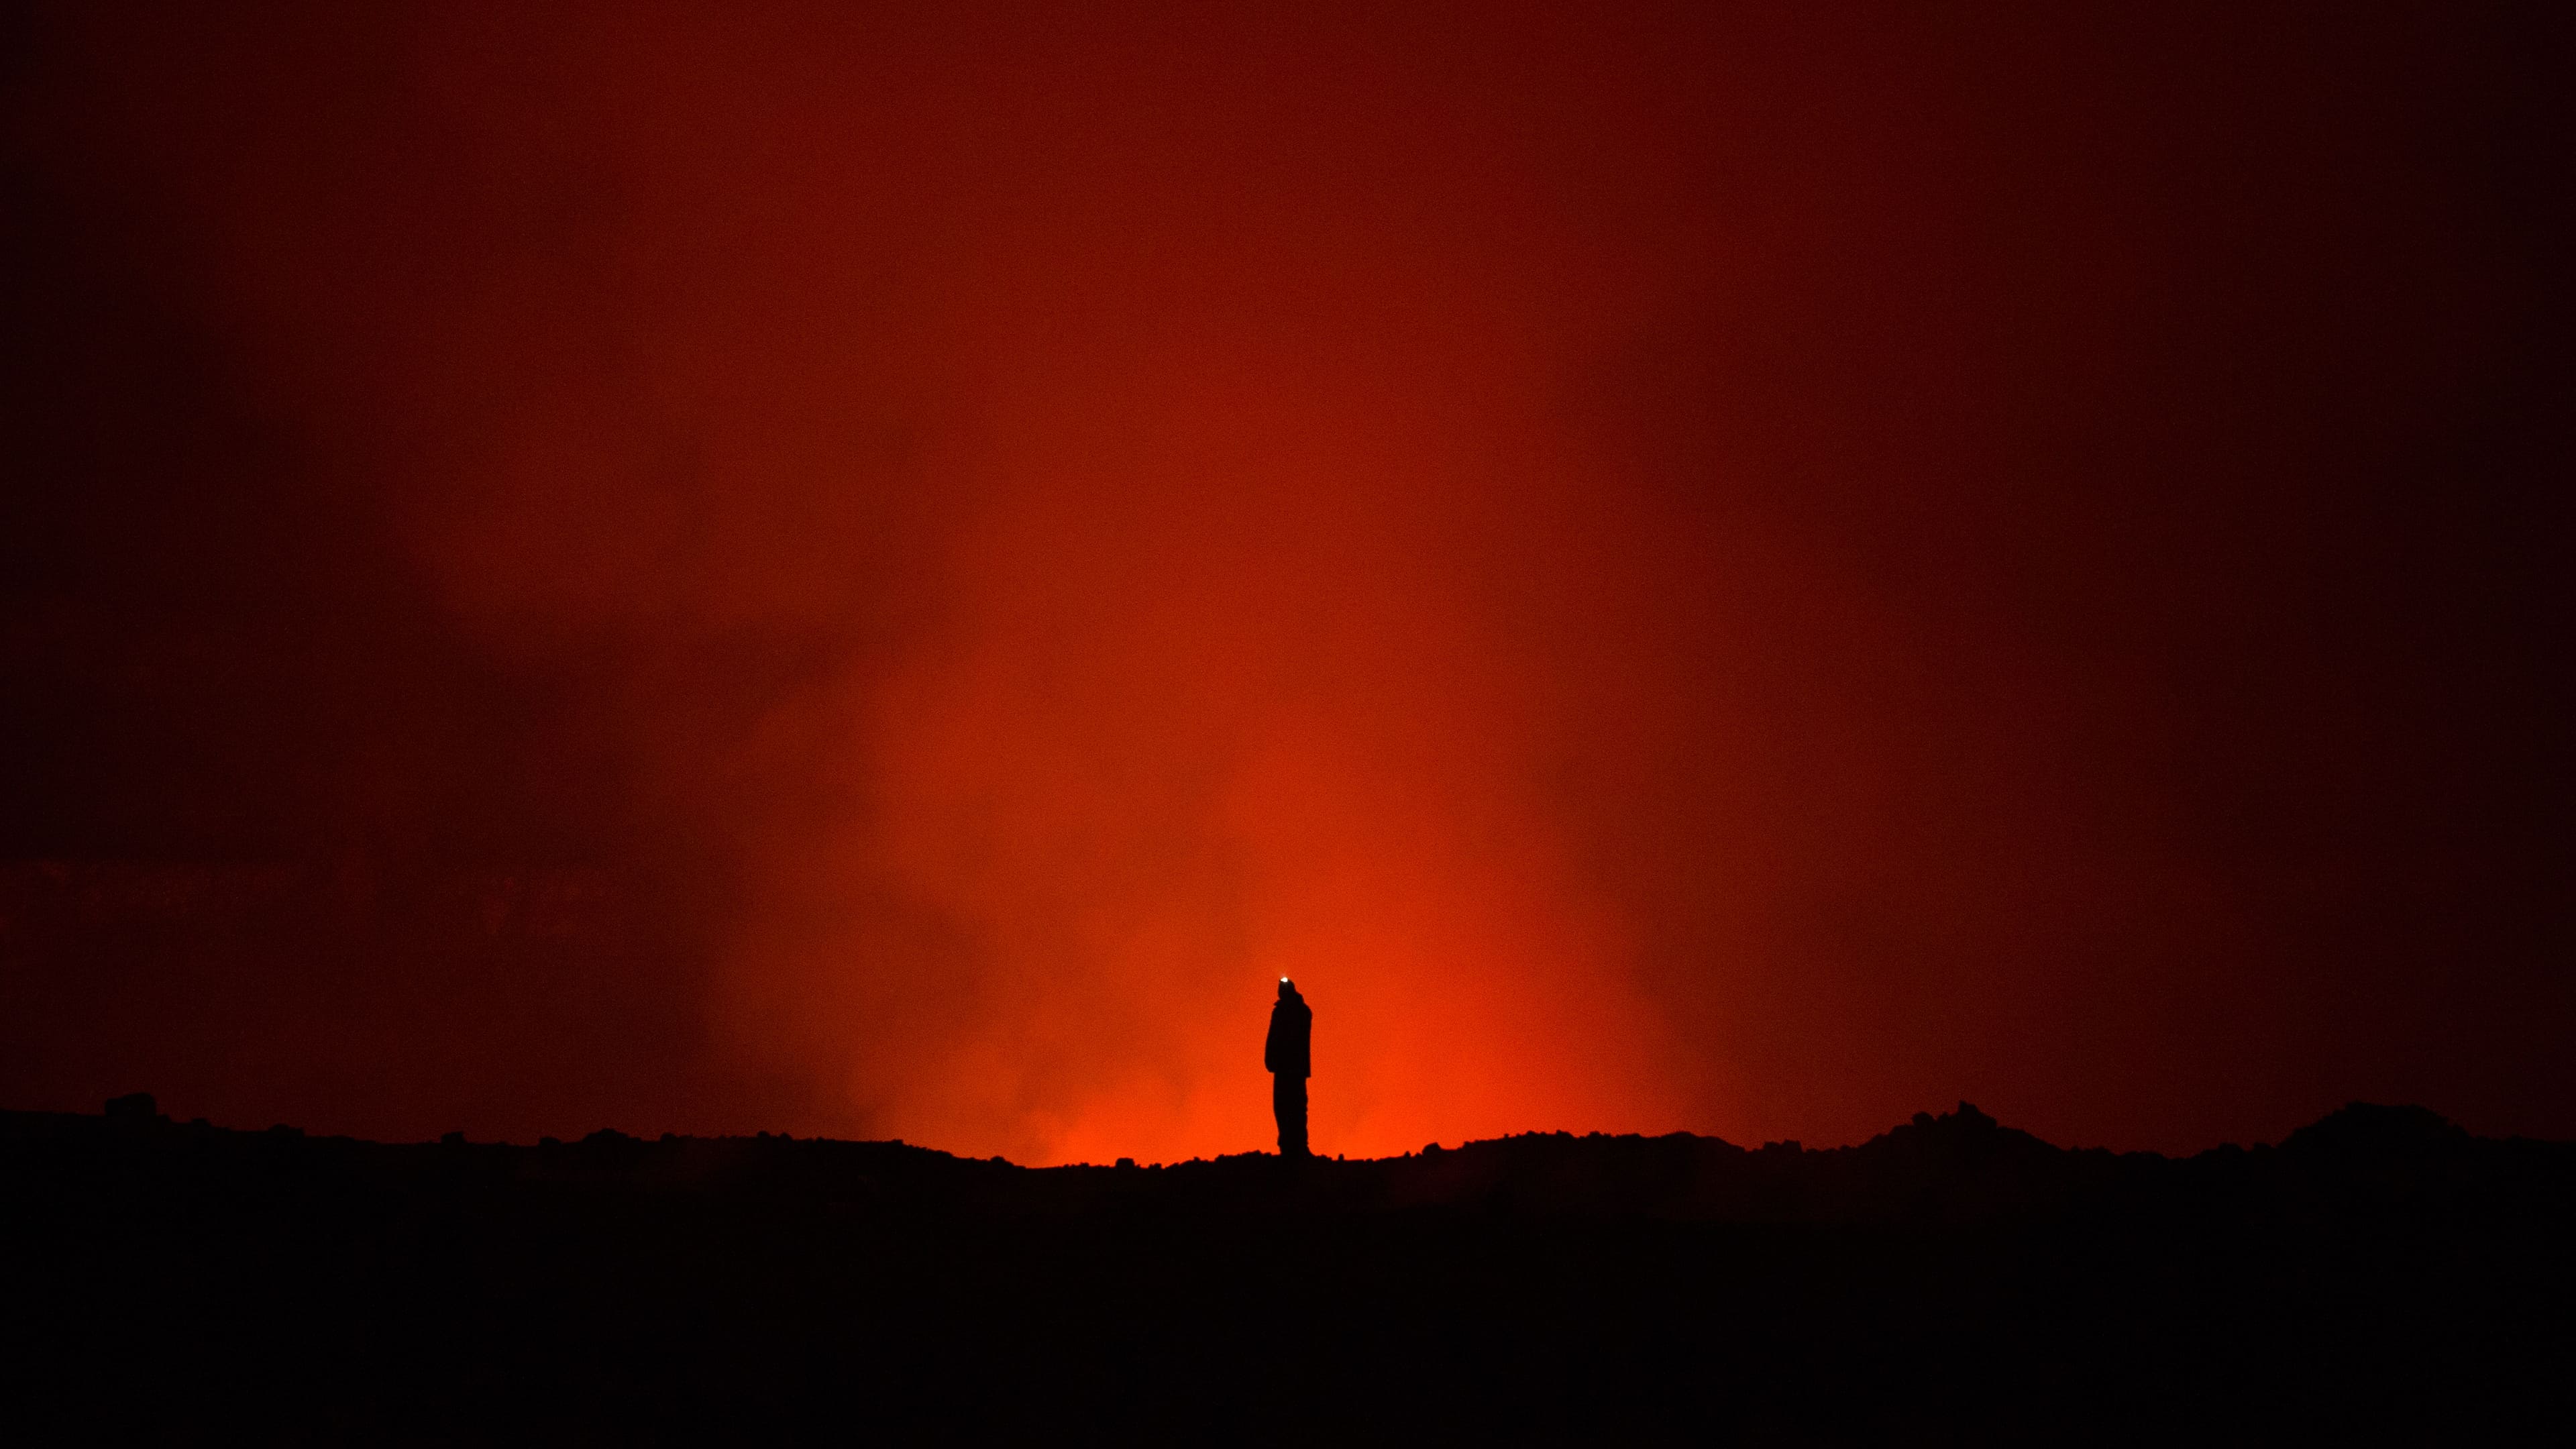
<point>885,572</point>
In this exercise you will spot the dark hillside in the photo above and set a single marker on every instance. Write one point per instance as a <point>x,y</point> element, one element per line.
<point>1952,1278</point>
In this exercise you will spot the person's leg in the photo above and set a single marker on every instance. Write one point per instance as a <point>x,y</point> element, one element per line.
<point>1288,1104</point>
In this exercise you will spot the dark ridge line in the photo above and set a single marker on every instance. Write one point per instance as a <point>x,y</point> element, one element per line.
<point>2355,1124</point>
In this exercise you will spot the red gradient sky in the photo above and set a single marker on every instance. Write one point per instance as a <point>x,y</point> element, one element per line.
<point>885,571</point>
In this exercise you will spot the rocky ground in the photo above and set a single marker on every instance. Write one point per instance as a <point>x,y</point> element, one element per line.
<point>1950,1280</point>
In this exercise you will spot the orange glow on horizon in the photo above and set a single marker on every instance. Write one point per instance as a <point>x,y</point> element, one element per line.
<point>1751,570</point>
<point>1252,722</point>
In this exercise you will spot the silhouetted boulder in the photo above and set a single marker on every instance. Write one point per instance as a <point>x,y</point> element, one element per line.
<point>2367,1129</point>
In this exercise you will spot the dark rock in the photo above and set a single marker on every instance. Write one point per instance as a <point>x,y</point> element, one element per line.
<point>2366,1129</point>
<point>2382,1275</point>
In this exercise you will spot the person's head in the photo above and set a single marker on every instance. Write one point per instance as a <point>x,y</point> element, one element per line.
<point>1287,988</point>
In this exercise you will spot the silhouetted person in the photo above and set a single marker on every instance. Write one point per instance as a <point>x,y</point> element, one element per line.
<point>1291,1026</point>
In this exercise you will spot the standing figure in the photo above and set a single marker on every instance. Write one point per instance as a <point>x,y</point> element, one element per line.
<point>1291,1025</point>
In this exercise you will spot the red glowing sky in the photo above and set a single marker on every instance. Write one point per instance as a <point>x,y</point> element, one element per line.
<point>885,572</point>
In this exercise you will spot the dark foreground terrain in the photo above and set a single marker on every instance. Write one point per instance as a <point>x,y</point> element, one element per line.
<point>2380,1272</point>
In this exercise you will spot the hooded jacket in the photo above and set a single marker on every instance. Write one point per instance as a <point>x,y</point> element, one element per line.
<point>1291,1026</point>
